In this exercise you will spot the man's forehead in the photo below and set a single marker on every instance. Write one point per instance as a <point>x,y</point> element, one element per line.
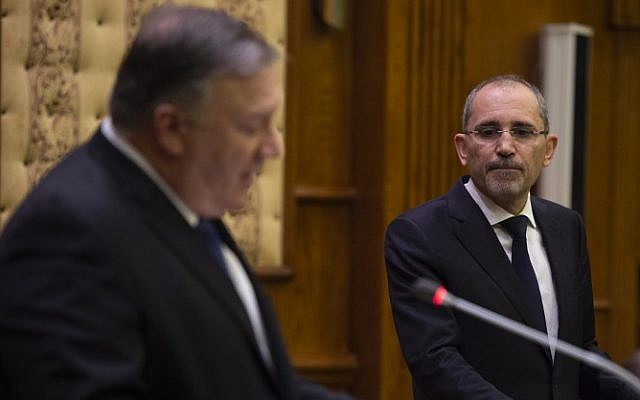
<point>514,101</point>
<point>500,88</point>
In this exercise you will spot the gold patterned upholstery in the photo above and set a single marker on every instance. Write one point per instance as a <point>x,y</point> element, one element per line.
<point>59,59</point>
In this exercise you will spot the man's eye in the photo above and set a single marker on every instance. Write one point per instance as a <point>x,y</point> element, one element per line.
<point>488,132</point>
<point>249,129</point>
<point>522,132</point>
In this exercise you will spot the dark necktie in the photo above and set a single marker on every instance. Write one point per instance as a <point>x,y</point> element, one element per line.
<point>517,227</point>
<point>211,235</point>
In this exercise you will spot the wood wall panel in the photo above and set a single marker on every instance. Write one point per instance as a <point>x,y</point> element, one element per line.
<point>427,166</point>
<point>372,39</point>
<point>321,280</point>
<point>313,306</point>
<point>599,171</point>
<point>624,209</point>
<point>437,97</point>
<point>322,103</point>
<point>317,313</point>
<point>407,121</point>
<point>501,38</point>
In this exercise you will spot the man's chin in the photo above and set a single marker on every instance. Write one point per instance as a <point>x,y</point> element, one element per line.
<point>239,205</point>
<point>504,187</point>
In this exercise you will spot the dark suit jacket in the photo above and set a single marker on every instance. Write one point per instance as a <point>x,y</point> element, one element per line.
<point>454,356</point>
<point>106,292</point>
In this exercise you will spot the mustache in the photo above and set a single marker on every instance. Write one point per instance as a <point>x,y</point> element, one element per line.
<point>504,164</point>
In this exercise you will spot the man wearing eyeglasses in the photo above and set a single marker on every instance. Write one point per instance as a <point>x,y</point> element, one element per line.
<point>489,241</point>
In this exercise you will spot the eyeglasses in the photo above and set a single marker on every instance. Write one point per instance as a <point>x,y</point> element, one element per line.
<point>490,134</point>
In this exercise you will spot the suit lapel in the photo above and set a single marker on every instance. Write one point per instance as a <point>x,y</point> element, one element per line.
<point>171,228</point>
<point>553,241</point>
<point>279,356</point>
<point>478,237</point>
<point>192,249</point>
<point>201,263</point>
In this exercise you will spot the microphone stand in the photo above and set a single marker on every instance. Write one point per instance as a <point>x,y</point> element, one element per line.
<point>439,296</point>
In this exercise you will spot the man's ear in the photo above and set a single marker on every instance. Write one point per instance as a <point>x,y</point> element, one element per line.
<point>460,141</point>
<point>168,127</point>
<point>550,148</point>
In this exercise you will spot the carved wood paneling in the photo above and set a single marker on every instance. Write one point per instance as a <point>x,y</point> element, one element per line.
<point>407,121</point>
<point>625,214</point>
<point>321,104</point>
<point>374,40</point>
<point>437,97</point>
<point>307,193</point>
<point>319,195</point>
<point>424,80</point>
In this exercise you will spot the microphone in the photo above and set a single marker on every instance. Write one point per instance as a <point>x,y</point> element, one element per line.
<point>436,294</point>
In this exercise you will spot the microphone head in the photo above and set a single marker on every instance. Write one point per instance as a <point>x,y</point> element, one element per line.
<point>430,291</point>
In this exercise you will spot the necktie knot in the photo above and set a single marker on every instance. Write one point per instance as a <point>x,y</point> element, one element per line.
<point>516,226</point>
<point>212,237</point>
<point>209,231</point>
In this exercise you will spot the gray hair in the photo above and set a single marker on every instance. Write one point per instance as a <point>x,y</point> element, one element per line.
<point>174,57</point>
<point>506,80</point>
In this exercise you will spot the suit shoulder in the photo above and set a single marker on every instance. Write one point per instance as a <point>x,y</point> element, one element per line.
<point>77,188</point>
<point>428,209</point>
<point>561,218</point>
<point>432,214</point>
<point>554,210</point>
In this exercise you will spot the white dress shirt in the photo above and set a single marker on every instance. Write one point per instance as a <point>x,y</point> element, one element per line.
<point>495,215</point>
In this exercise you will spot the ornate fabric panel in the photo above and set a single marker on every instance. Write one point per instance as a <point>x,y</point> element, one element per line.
<point>52,62</point>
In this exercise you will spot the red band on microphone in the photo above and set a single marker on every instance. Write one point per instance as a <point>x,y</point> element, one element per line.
<point>438,297</point>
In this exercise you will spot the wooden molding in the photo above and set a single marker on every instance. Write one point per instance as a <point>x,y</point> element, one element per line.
<point>334,371</point>
<point>274,273</point>
<point>324,193</point>
<point>602,305</point>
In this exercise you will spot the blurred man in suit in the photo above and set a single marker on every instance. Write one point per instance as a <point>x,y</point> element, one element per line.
<point>489,241</point>
<point>117,277</point>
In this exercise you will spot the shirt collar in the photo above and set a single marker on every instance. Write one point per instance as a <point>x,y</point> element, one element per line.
<point>493,212</point>
<point>120,143</point>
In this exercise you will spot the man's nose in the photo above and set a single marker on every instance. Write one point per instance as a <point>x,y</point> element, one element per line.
<point>274,145</point>
<point>505,144</point>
